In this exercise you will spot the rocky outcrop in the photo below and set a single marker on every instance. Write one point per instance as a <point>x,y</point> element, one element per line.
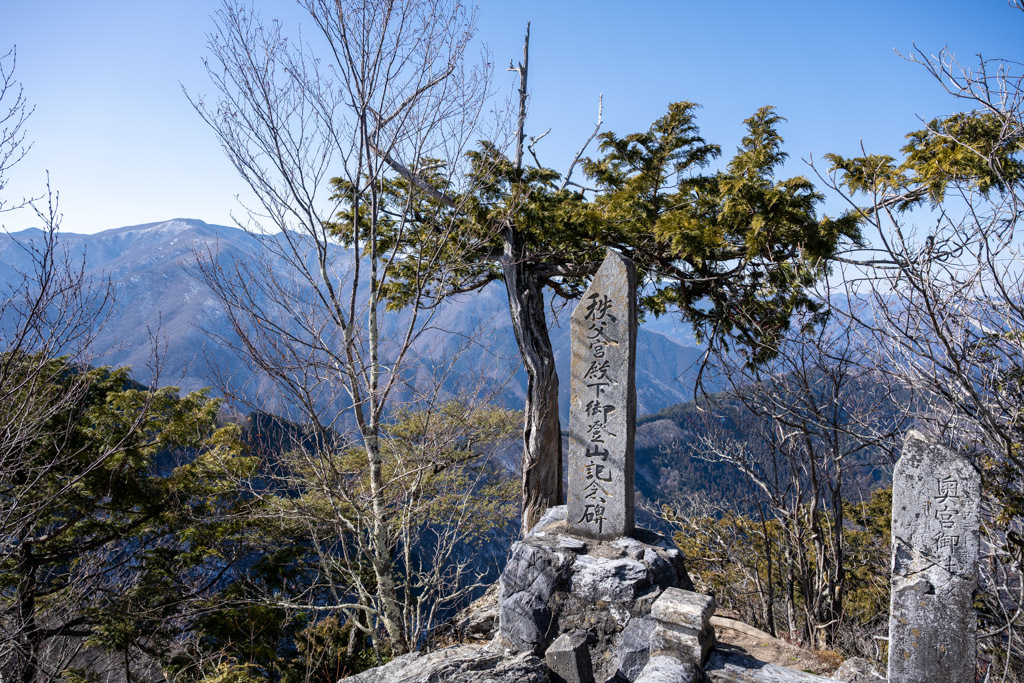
<point>666,669</point>
<point>479,621</point>
<point>556,583</point>
<point>727,666</point>
<point>569,659</point>
<point>460,664</point>
<point>683,625</point>
<point>736,636</point>
<point>572,610</point>
<point>682,637</point>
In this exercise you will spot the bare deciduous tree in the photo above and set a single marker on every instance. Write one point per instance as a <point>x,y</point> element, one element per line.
<point>318,136</point>
<point>818,419</point>
<point>14,112</point>
<point>944,289</point>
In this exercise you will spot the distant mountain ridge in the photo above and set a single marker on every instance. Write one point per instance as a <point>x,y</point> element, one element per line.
<point>158,301</point>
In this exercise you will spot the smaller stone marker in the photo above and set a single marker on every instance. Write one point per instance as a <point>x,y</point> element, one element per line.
<point>936,497</point>
<point>602,413</point>
<point>683,627</point>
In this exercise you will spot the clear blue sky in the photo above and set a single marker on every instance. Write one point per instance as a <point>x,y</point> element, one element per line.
<point>123,145</point>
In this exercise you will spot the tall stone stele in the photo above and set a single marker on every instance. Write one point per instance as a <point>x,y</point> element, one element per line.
<point>602,413</point>
<point>936,496</point>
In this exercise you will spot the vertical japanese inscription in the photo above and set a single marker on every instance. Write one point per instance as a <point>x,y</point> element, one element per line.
<point>602,413</point>
<point>935,520</point>
<point>947,509</point>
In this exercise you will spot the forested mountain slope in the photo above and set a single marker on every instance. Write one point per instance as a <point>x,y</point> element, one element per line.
<point>161,307</point>
<point>669,462</point>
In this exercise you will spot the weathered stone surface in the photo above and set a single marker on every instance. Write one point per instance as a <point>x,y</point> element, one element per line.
<point>725,666</point>
<point>523,668</point>
<point>532,576</point>
<point>857,670</point>
<point>935,522</point>
<point>634,646</point>
<point>553,518</point>
<point>665,669</point>
<point>460,664</point>
<point>602,413</point>
<point>602,590</point>
<point>608,580</point>
<point>683,627</point>
<point>569,659</point>
<point>685,609</point>
<point>688,647</point>
<point>572,543</point>
<point>479,621</point>
<point>737,636</point>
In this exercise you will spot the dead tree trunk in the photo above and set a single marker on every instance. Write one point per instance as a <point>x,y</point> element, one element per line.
<point>542,434</point>
<point>542,438</point>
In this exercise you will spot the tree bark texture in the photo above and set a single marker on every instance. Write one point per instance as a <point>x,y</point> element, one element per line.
<point>542,434</point>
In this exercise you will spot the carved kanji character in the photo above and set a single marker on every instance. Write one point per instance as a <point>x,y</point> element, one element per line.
<point>599,306</point>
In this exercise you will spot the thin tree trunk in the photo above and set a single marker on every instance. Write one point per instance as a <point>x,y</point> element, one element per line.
<point>838,579</point>
<point>769,615</point>
<point>391,613</point>
<point>790,602</point>
<point>369,426</point>
<point>542,434</point>
<point>29,645</point>
<point>383,564</point>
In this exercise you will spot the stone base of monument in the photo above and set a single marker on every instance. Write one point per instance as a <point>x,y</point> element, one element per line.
<point>575,610</point>
<point>557,583</point>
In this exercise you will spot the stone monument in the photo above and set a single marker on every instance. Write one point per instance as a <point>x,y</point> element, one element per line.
<point>935,506</point>
<point>602,413</point>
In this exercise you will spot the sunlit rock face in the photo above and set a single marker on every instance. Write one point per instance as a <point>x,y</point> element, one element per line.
<point>557,583</point>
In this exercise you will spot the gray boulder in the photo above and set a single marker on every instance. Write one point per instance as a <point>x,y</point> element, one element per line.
<point>569,659</point>
<point>666,669</point>
<point>634,646</point>
<point>533,575</point>
<point>857,670</point>
<point>479,621</point>
<point>460,664</point>
<point>725,666</point>
<point>557,583</point>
